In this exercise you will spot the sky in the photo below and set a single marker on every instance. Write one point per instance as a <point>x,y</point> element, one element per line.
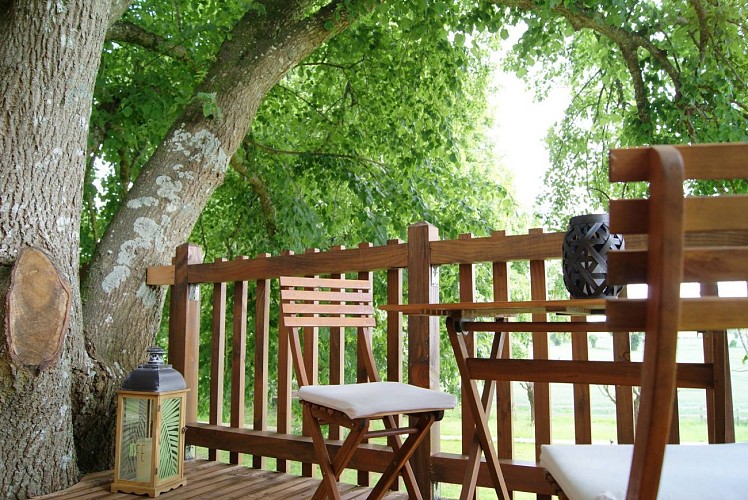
<point>520,127</point>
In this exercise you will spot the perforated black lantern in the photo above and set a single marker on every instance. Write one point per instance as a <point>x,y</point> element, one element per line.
<point>149,451</point>
<point>585,252</point>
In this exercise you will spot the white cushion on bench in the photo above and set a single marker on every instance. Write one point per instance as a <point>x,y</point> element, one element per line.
<point>601,472</point>
<point>377,398</point>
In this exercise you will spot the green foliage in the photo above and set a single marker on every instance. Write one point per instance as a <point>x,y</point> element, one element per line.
<point>209,104</point>
<point>379,128</point>
<point>139,93</point>
<point>639,73</point>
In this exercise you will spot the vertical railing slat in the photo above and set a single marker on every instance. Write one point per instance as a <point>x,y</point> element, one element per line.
<point>311,360</point>
<point>394,323</point>
<point>217,357</point>
<point>675,424</point>
<point>363,477</point>
<point>467,294</point>
<point>284,414</point>
<point>624,394</point>
<point>625,414</point>
<point>541,391</point>
<point>720,425</point>
<point>262,345</point>
<point>238,358</point>
<point>337,357</point>
<point>504,424</point>
<point>394,332</point>
<point>582,413</point>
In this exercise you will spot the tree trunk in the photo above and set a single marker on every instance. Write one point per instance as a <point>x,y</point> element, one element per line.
<point>48,63</point>
<point>56,415</point>
<point>165,202</point>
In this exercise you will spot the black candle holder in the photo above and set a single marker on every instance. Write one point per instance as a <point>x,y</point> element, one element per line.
<point>585,250</point>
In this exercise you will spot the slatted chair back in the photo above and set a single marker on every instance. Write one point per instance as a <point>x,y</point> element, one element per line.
<point>328,303</point>
<point>690,239</point>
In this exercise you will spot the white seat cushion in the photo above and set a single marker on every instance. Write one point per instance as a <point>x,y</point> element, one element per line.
<point>377,399</point>
<point>601,472</point>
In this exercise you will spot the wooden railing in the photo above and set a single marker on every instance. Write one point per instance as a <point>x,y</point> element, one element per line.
<point>422,256</point>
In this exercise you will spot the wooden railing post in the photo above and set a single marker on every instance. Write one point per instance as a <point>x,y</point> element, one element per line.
<point>423,337</point>
<point>184,324</point>
<point>719,405</point>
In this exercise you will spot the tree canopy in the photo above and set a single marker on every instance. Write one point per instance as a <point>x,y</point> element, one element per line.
<point>353,144</point>
<point>639,73</point>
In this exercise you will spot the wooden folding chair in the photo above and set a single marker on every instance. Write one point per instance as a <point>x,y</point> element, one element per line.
<point>690,239</point>
<point>347,303</point>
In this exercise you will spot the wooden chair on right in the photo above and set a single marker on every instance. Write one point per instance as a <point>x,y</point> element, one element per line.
<point>690,239</point>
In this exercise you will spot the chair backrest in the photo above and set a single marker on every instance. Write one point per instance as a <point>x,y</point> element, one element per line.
<point>335,303</point>
<point>692,239</point>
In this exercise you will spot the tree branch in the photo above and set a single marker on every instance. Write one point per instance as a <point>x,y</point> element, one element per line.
<point>698,7</point>
<point>305,101</point>
<point>272,150</point>
<point>640,91</point>
<point>627,41</point>
<point>261,190</point>
<point>127,32</point>
<point>333,65</point>
<point>116,9</point>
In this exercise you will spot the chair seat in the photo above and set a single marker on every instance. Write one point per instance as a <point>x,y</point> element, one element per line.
<point>377,399</point>
<point>601,472</point>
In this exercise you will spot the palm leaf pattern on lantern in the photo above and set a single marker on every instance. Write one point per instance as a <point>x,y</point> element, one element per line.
<point>170,429</point>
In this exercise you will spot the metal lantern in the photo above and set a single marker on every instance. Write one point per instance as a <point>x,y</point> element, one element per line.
<point>585,256</point>
<point>149,452</point>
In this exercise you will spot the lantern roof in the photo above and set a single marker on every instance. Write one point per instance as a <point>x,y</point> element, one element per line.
<point>154,375</point>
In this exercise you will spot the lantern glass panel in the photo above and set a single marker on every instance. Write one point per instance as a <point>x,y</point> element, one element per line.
<point>171,412</point>
<point>137,444</point>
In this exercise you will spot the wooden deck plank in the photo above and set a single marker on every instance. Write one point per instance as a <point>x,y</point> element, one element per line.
<point>216,480</point>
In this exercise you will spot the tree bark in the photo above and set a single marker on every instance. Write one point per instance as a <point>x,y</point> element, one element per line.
<point>57,420</point>
<point>48,63</point>
<point>165,201</point>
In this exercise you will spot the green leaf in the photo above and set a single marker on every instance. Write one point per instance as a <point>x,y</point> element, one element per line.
<point>210,105</point>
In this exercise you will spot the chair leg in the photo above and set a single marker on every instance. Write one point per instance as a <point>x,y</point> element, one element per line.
<point>331,470</point>
<point>329,484</point>
<point>473,399</point>
<point>396,443</point>
<point>348,449</point>
<point>402,456</point>
<point>470,479</point>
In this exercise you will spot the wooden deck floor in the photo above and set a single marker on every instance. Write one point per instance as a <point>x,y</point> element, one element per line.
<point>215,480</point>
